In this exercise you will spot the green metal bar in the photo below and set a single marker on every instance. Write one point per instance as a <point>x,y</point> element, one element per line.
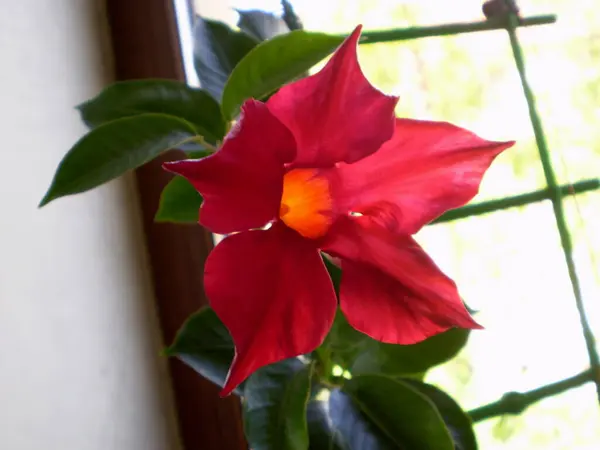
<point>401,34</point>
<point>565,237</point>
<point>517,402</point>
<point>517,200</point>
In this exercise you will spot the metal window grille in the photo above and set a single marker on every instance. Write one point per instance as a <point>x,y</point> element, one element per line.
<point>509,20</point>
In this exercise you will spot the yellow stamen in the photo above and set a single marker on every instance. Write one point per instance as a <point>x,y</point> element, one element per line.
<point>306,202</point>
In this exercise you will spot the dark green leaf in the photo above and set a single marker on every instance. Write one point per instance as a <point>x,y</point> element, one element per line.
<point>290,17</point>
<point>344,342</point>
<point>395,360</point>
<point>217,50</point>
<point>261,25</point>
<point>275,398</point>
<point>179,202</point>
<point>334,272</point>
<point>195,149</point>
<point>321,434</point>
<point>129,98</point>
<point>114,148</point>
<point>204,344</point>
<point>353,429</point>
<point>458,422</point>
<point>407,417</point>
<point>273,63</point>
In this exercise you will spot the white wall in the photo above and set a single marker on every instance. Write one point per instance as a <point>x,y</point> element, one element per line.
<point>79,364</point>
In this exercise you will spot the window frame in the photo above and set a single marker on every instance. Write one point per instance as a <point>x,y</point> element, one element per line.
<point>146,44</point>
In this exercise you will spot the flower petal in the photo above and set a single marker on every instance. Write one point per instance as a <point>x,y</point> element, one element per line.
<point>272,291</point>
<point>426,169</point>
<point>336,114</point>
<point>390,289</point>
<point>242,182</point>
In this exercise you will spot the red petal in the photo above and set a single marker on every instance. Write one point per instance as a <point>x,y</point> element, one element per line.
<point>336,114</point>
<point>243,181</point>
<point>390,289</point>
<point>272,291</point>
<point>426,169</point>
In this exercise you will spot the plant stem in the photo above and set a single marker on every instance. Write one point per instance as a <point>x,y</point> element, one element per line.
<point>324,366</point>
<point>401,34</point>
<point>516,402</point>
<point>556,197</point>
<point>517,200</point>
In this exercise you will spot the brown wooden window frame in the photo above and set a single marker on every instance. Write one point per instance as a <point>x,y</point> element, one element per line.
<point>146,44</point>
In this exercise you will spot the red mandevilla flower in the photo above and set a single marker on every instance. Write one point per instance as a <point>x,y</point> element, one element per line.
<point>326,163</point>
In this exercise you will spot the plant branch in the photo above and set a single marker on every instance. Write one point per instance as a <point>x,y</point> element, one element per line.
<point>477,209</point>
<point>401,34</point>
<point>557,204</point>
<point>513,403</point>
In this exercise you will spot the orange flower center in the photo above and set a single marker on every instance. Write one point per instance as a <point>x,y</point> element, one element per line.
<point>306,203</point>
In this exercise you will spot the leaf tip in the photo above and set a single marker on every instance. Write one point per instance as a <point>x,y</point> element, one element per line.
<point>83,114</point>
<point>159,216</point>
<point>167,352</point>
<point>48,197</point>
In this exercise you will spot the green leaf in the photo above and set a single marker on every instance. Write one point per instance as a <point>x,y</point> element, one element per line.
<point>335,273</point>
<point>114,148</point>
<point>353,429</point>
<point>394,360</point>
<point>273,63</point>
<point>261,25</point>
<point>275,398</point>
<point>217,50</point>
<point>179,202</point>
<point>344,342</point>
<point>290,17</point>
<point>204,344</point>
<point>129,98</point>
<point>458,421</point>
<point>321,434</point>
<point>407,417</point>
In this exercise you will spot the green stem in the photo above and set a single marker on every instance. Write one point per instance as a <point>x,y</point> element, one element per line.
<point>401,34</point>
<point>517,200</point>
<point>516,402</point>
<point>324,365</point>
<point>556,197</point>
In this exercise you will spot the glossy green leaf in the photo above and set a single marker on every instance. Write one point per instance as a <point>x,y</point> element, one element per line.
<point>261,25</point>
<point>321,433</point>
<point>335,273</point>
<point>204,344</point>
<point>343,341</point>
<point>353,429</point>
<point>114,148</point>
<point>179,202</point>
<point>394,360</point>
<point>129,98</point>
<point>217,50</point>
<point>457,421</point>
<point>273,63</point>
<point>274,408</point>
<point>407,417</point>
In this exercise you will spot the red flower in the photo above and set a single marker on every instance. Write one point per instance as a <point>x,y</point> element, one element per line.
<point>327,164</point>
